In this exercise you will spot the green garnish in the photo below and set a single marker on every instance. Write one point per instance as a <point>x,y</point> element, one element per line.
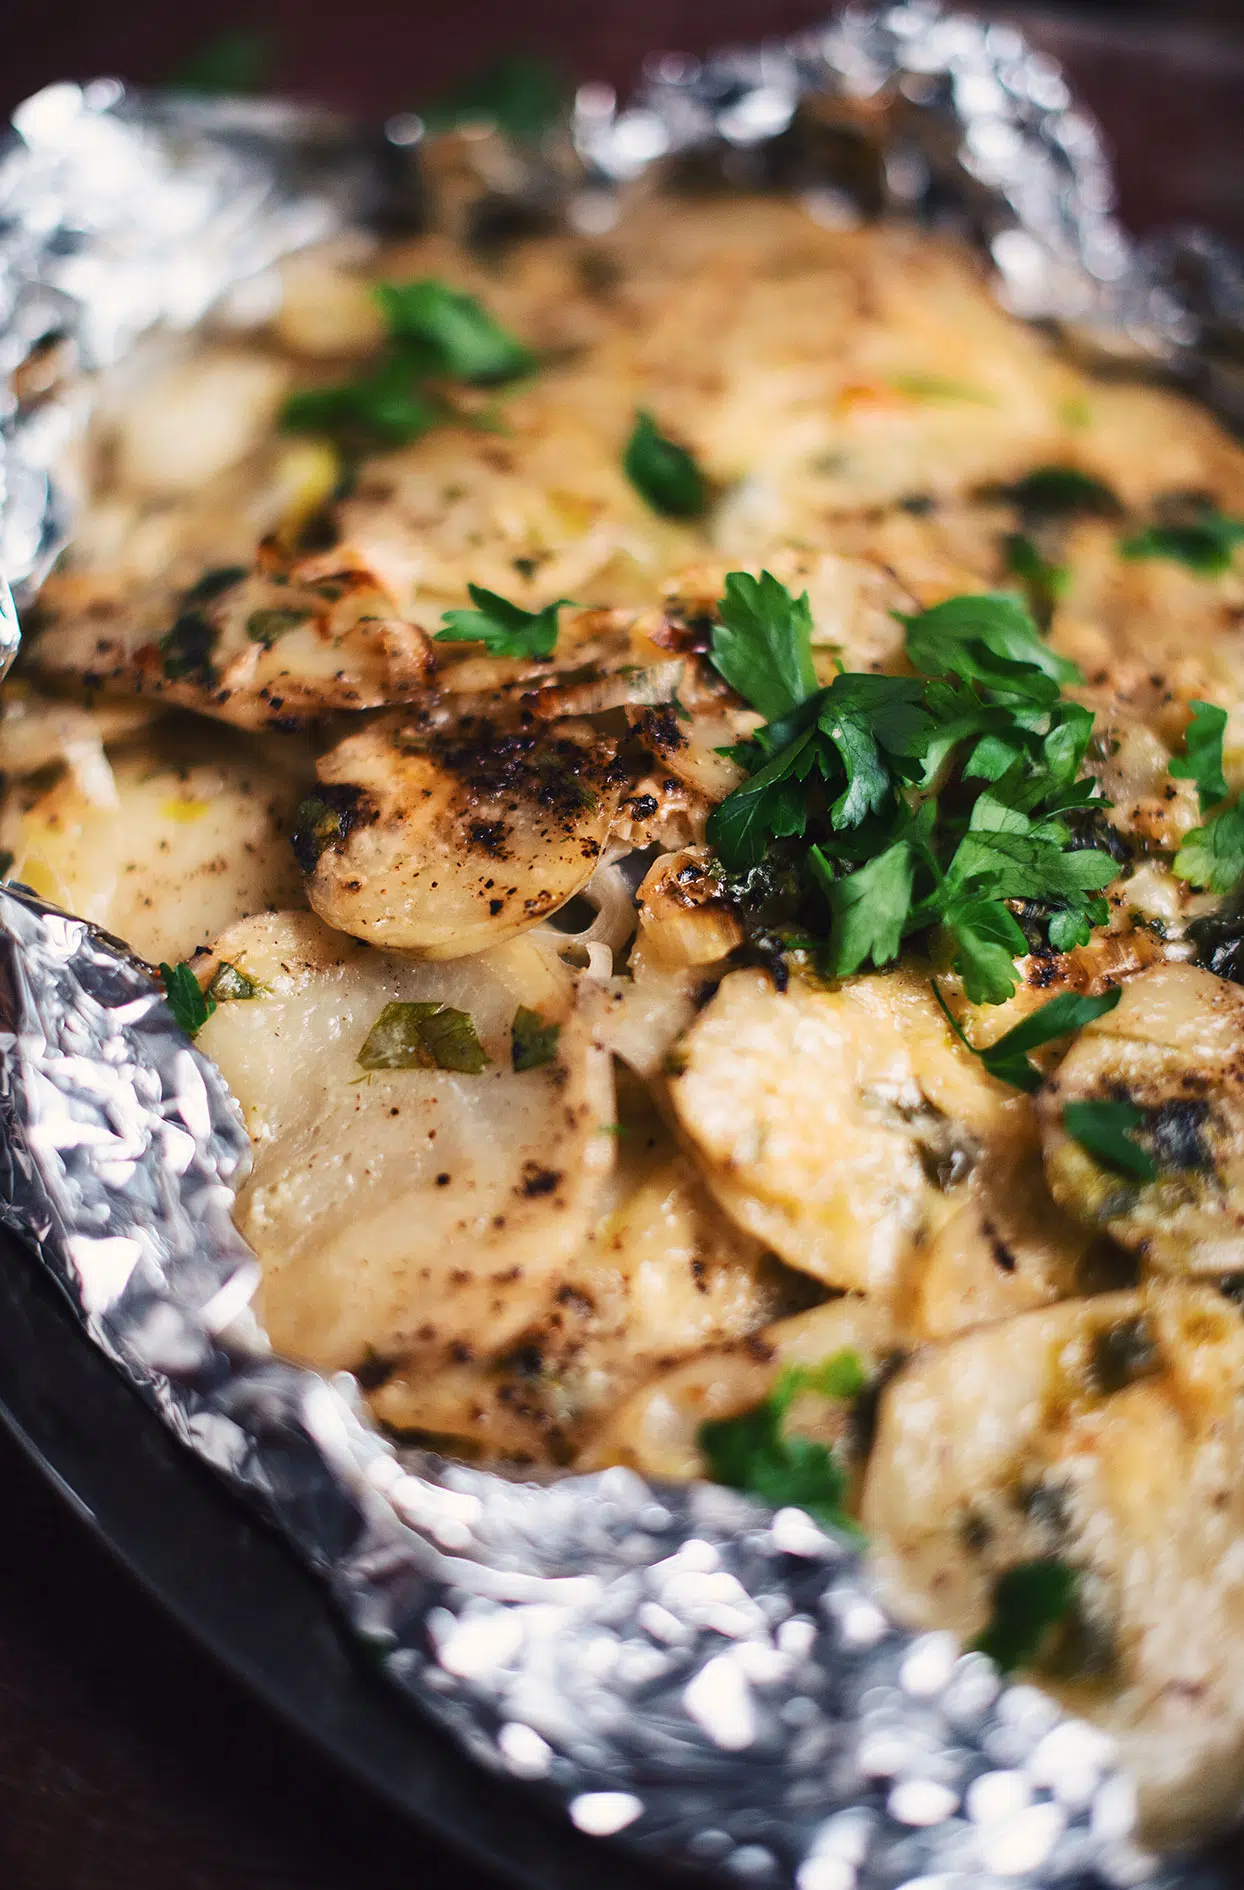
<point>190,1005</point>
<point>1062,492</point>
<point>1212,856</point>
<point>465,342</point>
<point>857,773</point>
<point>939,388</point>
<point>663,472</point>
<point>1103,1130</point>
<point>522,94</point>
<point>266,626</point>
<point>1046,584</point>
<point>1028,1600</point>
<point>237,61</point>
<point>434,333</point>
<point>421,1036</point>
<point>1007,1059</point>
<point>505,629</point>
<point>1205,543</point>
<point>188,648</point>
<point>228,983</point>
<point>1201,760</point>
<point>533,1041</point>
<point>753,1451</point>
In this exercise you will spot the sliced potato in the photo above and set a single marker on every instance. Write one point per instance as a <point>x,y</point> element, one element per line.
<point>186,831</point>
<point>401,1213</point>
<point>446,842</point>
<point>1106,1434</point>
<point>835,1125</point>
<point>661,1276</point>
<point>657,1429</point>
<point>1174,1050</point>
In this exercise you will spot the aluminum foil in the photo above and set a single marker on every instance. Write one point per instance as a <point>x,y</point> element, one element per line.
<point>680,1670</point>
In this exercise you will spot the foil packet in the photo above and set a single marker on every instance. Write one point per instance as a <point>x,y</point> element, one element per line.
<point>706,1682</point>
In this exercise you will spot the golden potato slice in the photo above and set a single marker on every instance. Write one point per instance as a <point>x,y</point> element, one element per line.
<point>1173,1049</point>
<point>402,1210</point>
<point>447,842</point>
<point>1104,1436</point>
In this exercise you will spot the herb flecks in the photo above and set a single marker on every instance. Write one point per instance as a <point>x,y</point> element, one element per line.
<point>756,1453</point>
<point>1029,1602</point>
<point>533,1040</point>
<point>505,629</point>
<point>1204,540</point>
<point>911,803</point>
<point>1007,1058</point>
<point>190,1004</point>
<point>423,1036</point>
<point>523,95</point>
<point>1104,1130</point>
<point>664,473</point>
<point>1212,855</point>
<point>229,984</point>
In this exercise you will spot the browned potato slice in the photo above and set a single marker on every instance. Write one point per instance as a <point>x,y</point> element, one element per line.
<point>1106,1435</point>
<point>400,1213</point>
<point>446,843</point>
<point>1174,1049</point>
<point>657,1429</point>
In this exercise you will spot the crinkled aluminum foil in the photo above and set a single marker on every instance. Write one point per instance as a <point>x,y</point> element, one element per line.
<point>712,1684</point>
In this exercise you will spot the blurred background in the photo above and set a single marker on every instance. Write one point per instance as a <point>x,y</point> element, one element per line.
<point>1166,77</point>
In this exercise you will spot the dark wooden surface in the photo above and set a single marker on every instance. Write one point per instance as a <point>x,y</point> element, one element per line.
<point>127,1761</point>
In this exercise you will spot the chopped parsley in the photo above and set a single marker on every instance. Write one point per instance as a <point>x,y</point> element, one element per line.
<point>1046,583</point>
<point>906,803</point>
<point>435,333</point>
<point>266,626</point>
<point>463,339</point>
<point>1050,492</point>
<point>1201,760</point>
<point>1028,1601</point>
<point>522,95</point>
<point>533,1040</point>
<point>663,472</point>
<point>228,983</point>
<point>1007,1059</point>
<point>423,1036</point>
<point>1205,542</point>
<point>754,1452</point>
<point>505,629</point>
<point>1103,1130</point>
<point>190,1005</point>
<point>189,647</point>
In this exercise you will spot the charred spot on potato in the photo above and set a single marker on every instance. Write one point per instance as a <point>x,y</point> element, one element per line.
<point>1176,1132</point>
<point>1122,1354</point>
<point>326,819</point>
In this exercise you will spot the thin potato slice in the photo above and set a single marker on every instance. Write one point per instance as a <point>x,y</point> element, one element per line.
<point>400,1213</point>
<point>447,843</point>
<point>1106,1435</point>
<point>1174,1050</point>
<point>168,841</point>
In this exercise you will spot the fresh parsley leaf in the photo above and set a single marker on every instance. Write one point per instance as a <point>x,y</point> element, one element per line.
<point>1103,1130</point>
<point>469,345</point>
<point>533,1041</point>
<point>1206,544</point>
<point>229,983</point>
<point>188,649</point>
<point>1201,760</point>
<point>868,908</point>
<point>663,472</point>
<point>1062,492</point>
<point>522,94</point>
<point>865,716</point>
<point>1045,583</point>
<point>423,1036</point>
<point>770,805</point>
<point>753,1452</point>
<point>1212,856</point>
<point>1028,1600</point>
<point>988,940</point>
<point>386,407</point>
<point>988,639</point>
<point>237,61</point>
<point>505,629</point>
<point>1007,1058</point>
<point>763,645</point>
<point>190,1005</point>
<point>267,626</point>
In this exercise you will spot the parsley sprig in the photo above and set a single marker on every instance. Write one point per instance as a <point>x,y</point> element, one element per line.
<point>1212,855</point>
<point>1007,1058</point>
<point>434,334</point>
<point>916,802</point>
<point>755,1452</point>
<point>190,1004</point>
<point>504,629</point>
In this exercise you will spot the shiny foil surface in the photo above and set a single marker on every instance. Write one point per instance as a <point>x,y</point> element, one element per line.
<point>709,1683</point>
